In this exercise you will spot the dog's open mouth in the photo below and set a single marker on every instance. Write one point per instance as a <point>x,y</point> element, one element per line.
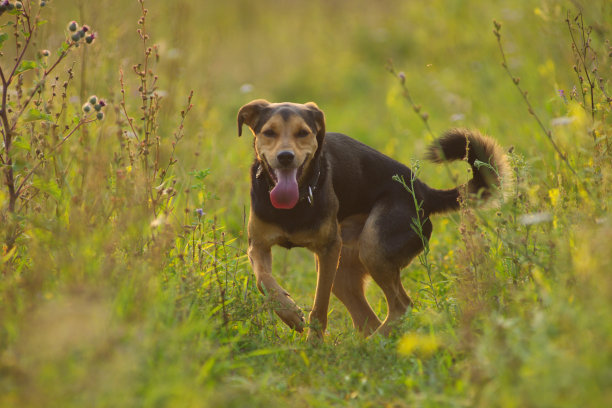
<point>286,192</point>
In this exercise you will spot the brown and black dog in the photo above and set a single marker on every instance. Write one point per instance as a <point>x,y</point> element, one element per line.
<point>336,197</point>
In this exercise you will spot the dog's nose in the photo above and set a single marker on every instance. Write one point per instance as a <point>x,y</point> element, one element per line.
<point>285,157</point>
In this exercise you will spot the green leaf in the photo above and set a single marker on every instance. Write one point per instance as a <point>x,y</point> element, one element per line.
<point>26,66</point>
<point>18,165</point>
<point>62,48</point>
<point>50,187</point>
<point>3,38</point>
<point>20,143</point>
<point>34,114</point>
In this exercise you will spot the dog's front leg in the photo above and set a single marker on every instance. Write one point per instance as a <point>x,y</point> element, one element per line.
<point>327,264</point>
<point>260,256</point>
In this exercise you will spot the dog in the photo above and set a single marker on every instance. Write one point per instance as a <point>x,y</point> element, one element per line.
<point>337,197</point>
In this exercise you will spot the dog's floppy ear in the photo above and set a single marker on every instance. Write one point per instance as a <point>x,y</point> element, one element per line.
<point>250,112</point>
<point>319,120</point>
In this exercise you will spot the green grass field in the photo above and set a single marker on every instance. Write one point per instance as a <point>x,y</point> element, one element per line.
<point>123,275</point>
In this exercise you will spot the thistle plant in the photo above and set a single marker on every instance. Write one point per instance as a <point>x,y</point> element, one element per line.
<point>32,119</point>
<point>143,141</point>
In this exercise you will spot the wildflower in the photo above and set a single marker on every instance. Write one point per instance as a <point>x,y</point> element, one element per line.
<point>100,115</point>
<point>422,344</point>
<point>93,99</point>
<point>87,107</point>
<point>561,121</point>
<point>562,95</point>
<point>73,26</point>
<point>246,88</point>
<point>160,220</point>
<point>90,38</point>
<point>554,194</point>
<point>402,77</point>
<point>99,105</point>
<point>200,212</point>
<point>535,218</point>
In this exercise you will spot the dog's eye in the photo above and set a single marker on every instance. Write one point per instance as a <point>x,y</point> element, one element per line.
<point>269,133</point>
<point>302,133</point>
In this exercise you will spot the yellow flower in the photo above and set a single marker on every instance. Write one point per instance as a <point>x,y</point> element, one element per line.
<point>554,194</point>
<point>579,116</point>
<point>547,69</point>
<point>416,343</point>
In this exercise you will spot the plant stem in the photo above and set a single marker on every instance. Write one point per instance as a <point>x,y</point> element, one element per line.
<point>530,109</point>
<point>57,146</point>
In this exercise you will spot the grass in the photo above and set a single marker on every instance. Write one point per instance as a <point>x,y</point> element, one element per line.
<point>123,275</point>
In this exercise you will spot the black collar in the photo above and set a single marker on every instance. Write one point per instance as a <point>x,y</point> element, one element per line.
<point>307,190</point>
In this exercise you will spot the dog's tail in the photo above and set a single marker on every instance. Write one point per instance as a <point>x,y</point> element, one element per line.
<point>489,164</point>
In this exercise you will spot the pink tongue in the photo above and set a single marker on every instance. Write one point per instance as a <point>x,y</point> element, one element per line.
<point>286,193</point>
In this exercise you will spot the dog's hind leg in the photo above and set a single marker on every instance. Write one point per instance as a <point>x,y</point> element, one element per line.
<point>398,301</point>
<point>387,244</point>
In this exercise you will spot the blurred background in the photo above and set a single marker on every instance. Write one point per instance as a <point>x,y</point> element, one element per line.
<point>335,53</point>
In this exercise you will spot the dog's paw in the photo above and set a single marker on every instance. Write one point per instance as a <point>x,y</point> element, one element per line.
<point>289,312</point>
<point>314,336</point>
<point>385,329</point>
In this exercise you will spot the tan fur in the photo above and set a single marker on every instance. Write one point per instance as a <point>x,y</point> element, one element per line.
<point>287,138</point>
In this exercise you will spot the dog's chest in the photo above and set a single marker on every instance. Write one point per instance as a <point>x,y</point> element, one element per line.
<point>273,234</point>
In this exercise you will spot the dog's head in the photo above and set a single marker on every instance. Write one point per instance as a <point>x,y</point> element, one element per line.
<point>288,137</point>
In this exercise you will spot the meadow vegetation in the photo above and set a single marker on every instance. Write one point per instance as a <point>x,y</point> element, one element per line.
<point>124,197</point>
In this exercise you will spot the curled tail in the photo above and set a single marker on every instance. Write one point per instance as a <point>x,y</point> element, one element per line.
<point>488,161</point>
